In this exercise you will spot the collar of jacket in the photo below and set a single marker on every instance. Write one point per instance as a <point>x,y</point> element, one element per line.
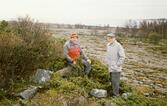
<point>77,43</point>
<point>112,44</point>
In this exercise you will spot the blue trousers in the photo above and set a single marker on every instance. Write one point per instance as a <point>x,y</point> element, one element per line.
<point>115,79</point>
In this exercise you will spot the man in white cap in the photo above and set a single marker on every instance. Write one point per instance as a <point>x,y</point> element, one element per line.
<point>115,59</point>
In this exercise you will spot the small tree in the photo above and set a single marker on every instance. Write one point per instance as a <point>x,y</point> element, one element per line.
<point>27,47</point>
<point>154,37</point>
<point>4,26</point>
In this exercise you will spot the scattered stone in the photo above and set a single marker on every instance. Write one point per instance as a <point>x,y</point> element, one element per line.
<point>146,94</point>
<point>28,93</point>
<point>100,93</point>
<point>123,74</point>
<point>163,76</point>
<point>137,82</point>
<point>161,90</point>
<point>160,85</point>
<point>124,78</point>
<point>126,95</point>
<point>151,84</point>
<point>42,76</point>
<point>148,82</point>
<point>140,82</point>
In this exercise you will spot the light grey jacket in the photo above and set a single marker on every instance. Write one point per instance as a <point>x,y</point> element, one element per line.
<point>115,56</point>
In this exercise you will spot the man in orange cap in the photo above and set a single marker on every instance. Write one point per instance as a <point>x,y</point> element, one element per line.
<point>73,51</point>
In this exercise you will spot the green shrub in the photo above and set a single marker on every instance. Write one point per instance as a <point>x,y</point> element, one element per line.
<point>159,48</point>
<point>4,26</point>
<point>154,37</point>
<point>77,70</point>
<point>27,47</point>
<point>77,82</point>
<point>99,72</point>
<point>139,100</point>
<point>58,64</point>
<point>87,84</point>
<point>124,87</point>
<point>64,85</point>
<point>74,85</point>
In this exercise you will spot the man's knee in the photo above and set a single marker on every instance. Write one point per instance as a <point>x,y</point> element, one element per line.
<point>87,66</point>
<point>69,62</point>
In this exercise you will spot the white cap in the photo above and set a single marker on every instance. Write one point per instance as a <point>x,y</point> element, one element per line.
<point>111,35</point>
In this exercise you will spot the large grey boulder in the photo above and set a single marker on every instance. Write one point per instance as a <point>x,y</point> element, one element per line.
<point>42,76</point>
<point>100,93</point>
<point>28,93</point>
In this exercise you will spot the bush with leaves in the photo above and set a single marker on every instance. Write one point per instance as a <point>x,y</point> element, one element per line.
<point>4,26</point>
<point>27,47</point>
<point>154,37</point>
<point>140,100</point>
<point>99,71</point>
<point>76,81</point>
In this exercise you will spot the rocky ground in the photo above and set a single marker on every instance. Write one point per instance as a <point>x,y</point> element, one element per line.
<point>143,68</point>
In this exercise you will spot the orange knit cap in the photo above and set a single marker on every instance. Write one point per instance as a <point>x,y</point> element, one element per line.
<point>73,34</point>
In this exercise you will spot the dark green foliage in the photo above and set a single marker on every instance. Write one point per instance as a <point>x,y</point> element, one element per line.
<point>2,94</point>
<point>124,87</point>
<point>101,103</point>
<point>4,27</point>
<point>77,81</point>
<point>28,47</point>
<point>58,64</point>
<point>139,100</point>
<point>87,84</point>
<point>77,70</point>
<point>99,72</point>
<point>147,30</point>
<point>99,78</point>
<point>159,48</point>
<point>154,37</point>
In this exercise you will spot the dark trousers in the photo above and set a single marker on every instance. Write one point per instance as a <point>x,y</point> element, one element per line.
<point>87,66</point>
<point>115,79</point>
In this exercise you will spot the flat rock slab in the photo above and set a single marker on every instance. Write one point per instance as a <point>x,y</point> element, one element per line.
<point>28,93</point>
<point>100,93</point>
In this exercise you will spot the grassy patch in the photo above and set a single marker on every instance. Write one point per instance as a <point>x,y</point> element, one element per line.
<point>160,48</point>
<point>99,78</point>
<point>139,100</point>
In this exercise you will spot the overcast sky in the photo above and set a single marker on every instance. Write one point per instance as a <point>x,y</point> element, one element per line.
<point>93,12</point>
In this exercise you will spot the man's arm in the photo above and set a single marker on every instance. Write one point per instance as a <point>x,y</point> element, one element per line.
<point>121,54</point>
<point>83,54</point>
<point>85,57</point>
<point>66,53</point>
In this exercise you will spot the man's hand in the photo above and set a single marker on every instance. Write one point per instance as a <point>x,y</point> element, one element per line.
<point>74,62</point>
<point>89,61</point>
